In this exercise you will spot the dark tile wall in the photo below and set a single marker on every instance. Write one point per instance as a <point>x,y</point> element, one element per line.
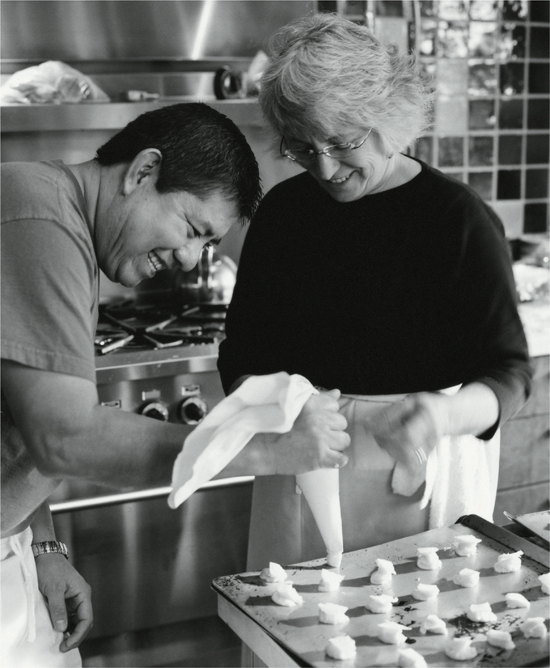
<point>490,62</point>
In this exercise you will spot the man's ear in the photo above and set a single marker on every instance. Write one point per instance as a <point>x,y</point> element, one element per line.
<point>143,170</point>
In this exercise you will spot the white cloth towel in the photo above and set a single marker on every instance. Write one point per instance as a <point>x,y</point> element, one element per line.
<point>261,404</point>
<point>461,477</point>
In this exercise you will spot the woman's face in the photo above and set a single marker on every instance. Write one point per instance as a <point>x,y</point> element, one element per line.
<point>365,171</point>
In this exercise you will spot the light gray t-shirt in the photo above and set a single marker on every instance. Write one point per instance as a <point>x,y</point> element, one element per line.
<point>50,283</point>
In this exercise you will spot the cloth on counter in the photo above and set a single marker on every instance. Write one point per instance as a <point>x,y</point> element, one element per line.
<point>28,637</point>
<point>461,476</point>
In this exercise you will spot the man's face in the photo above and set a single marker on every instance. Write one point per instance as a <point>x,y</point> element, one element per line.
<point>148,232</point>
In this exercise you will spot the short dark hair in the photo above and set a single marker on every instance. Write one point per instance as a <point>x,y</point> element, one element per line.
<point>202,150</point>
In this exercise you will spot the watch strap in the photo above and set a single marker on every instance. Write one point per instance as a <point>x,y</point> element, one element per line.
<point>49,547</point>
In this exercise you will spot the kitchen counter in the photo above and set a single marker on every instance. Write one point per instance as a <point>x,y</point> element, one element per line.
<point>535,317</point>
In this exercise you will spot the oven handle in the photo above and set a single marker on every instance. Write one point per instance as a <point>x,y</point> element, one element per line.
<point>143,495</point>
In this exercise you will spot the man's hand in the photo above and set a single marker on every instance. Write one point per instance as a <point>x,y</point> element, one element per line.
<point>411,428</point>
<point>316,440</point>
<point>68,596</point>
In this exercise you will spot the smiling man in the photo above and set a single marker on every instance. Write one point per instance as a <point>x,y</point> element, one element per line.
<point>174,180</point>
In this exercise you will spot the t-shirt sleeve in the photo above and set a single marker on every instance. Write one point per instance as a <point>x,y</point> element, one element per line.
<point>47,298</point>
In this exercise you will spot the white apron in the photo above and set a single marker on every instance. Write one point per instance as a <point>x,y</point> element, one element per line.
<point>28,637</point>
<point>283,530</point>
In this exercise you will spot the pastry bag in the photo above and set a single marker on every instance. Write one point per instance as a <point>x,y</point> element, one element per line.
<point>322,491</point>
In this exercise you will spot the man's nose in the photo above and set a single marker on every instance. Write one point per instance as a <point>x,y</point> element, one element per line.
<point>188,255</point>
<point>326,166</point>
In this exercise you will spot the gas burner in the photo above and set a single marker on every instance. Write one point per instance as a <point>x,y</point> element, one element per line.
<point>129,326</point>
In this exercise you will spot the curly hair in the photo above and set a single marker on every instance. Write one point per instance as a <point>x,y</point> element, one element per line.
<point>202,150</point>
<point>326,74</point>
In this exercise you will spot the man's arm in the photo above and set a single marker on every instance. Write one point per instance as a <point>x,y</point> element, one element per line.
<point>65,590</point>
<point>69,434</point>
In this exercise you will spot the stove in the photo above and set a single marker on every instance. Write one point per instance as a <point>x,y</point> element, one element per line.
<point>159,359</point>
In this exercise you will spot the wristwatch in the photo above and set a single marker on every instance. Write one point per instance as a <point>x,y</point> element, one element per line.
<point>48,547</point>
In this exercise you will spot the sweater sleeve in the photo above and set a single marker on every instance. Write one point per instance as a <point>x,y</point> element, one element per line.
<point>486,317</point>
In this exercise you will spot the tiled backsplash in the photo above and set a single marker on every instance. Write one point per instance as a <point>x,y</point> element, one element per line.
<point>490,62</point>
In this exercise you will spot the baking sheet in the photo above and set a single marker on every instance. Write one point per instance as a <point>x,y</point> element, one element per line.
<point>538,523</point>
<point>298,629</point>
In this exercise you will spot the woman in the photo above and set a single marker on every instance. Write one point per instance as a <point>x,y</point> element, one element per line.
<point>375,274</point>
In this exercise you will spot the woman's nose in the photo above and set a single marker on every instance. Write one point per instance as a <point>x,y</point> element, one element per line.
<point>326,166</point>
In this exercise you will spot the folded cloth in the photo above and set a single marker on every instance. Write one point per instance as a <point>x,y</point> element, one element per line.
<point>461,475</point>
<point>262,404</point>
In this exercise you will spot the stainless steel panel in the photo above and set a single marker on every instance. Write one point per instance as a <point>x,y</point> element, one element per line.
<point>144,29</point>
<point>149,565</point>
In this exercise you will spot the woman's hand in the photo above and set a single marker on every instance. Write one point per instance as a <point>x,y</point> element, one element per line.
<point>316,440</point>
<point>411,428</point>
<point>68,597</point>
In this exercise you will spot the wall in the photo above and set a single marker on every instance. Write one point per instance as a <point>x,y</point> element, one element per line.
<point>490,62</point>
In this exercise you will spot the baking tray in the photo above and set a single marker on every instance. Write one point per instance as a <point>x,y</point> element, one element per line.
<point>299,632</point>
<point>537,523</point>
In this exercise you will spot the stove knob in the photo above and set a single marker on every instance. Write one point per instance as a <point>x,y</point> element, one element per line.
<point>156,410</point>
<point>192,410</point>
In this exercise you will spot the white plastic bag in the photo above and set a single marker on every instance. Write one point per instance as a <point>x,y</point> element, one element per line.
<point>52,82</point>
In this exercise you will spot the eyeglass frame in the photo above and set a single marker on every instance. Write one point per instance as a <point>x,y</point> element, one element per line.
<point>312,153</point>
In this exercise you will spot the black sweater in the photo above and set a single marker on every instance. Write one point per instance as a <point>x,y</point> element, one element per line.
<point>403,291</point>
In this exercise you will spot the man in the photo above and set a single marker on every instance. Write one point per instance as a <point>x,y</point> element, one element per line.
<point>174,180</point>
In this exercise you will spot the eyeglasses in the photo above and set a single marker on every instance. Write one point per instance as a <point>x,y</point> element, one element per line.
<point>308,155</point>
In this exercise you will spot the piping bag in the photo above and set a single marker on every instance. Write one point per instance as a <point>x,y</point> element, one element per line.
<point>322,491</point>
<point>262,404</point>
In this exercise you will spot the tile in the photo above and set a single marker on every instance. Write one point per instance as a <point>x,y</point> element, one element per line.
<point>509,184</point>
<point>452,10</point>
<point>511,215</point>
<point>536,183</point>
<point>510,114</point>
<point>482,183</point>
<point>509,149</point>
<point>451,151</point>
<point>355,7</point>
<point>452,76</point>
<point>428,37</point>
<point>536,218</point>
<point>539,78</point>
<point>452,40</point>
<point>539,42</point>
<point>482,42</point>
<point>514,10</point>
<point>481,151</point>
<point>427,8</point>
<point>482,114</point>
<point>512,42</point>
<point>537,115</point>
<point>482,80</point>
<point>389,8</point>
<point>484,10</point>
<point>423,149</point>
<point>451,115</point>
<point>538,11</point>
<point>538,149</point>
<point>511,78</point>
